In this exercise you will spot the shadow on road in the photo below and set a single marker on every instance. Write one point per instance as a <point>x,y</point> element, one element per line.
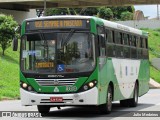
<point>92,112</point>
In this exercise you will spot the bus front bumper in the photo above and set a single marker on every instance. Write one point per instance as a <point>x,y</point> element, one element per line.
<point>89,97</point>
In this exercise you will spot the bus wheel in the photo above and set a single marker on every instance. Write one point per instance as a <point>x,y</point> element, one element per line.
<point>107,107</point>
<point>43,109</point>
<point>134,101</point>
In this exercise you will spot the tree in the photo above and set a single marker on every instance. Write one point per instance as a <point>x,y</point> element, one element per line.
<point>105,13</point>
<point>58,11</point>
<point>7,31</point>
<point>126,16</point>
<point>72,11</point>
<point>108,13</point>
<point>90,11</point>
<point>117,11</point>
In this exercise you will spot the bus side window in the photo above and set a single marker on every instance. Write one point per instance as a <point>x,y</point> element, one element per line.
<point>101,41</point>
<point>118,38</point>
<point>144,49</point>
<point>107,35</point>
<point>119,44</point>
<point>133,47</point>
<point>110,47</point>
<point>139,49</point>
<point>147,54</point>
<point>141,42</point>
<point>126,48</point>
<point>126,39</point>
<point>146,40</point>
<point>133,41</point>
<point>144,43</point>
<point>138,43</point>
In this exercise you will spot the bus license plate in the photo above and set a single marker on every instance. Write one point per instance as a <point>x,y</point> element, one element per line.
<point>56,99</point>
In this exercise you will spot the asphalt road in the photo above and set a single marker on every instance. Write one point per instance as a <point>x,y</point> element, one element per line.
<point>148,107</point>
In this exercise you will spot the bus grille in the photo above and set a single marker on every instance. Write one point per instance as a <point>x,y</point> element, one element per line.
<point>56,82</point>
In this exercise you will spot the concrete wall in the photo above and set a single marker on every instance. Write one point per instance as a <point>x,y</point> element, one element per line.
<point>19,16</point>
<point>142,23</point>
<point>156,63</point>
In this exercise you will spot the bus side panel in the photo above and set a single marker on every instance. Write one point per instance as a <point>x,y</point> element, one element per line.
<point>114,70</point>
<point>106,74</point>
<point>144,77</point>
<point>102,79</point>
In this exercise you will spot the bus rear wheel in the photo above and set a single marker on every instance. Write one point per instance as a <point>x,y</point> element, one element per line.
<point>107,107</point>
<point>134,101</point>
<point>43,109</point>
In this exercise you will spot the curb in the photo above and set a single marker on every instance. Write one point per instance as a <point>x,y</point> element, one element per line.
<point>153,84</point>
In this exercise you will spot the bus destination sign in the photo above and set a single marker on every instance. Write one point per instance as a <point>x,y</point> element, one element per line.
<point>53,24</point>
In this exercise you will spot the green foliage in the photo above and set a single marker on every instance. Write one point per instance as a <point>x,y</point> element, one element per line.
<point>117,11</point>
<point>56,11</point>
<point>126,16</point>
<point>91,11</point>
<point>109,13</point>
<point>7,31</point>
<point>105,13</point>
<point>9,74</point>
<point>154,52</point>
<point>155,74</point>
<point>158,30</point>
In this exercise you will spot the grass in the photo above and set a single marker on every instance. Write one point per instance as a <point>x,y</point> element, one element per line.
<point>9,77</point>
<point>154,43</point>
<point>155,74</point>
<point>9,67</point>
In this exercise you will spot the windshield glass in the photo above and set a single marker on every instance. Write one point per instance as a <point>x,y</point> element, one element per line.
<point>58,52</point>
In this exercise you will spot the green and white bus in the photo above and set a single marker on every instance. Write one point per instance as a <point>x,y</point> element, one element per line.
<point>81,60</point>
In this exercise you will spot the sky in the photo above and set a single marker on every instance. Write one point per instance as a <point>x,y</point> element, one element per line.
<point>148,10</point>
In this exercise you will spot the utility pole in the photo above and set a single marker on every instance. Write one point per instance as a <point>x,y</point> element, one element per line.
<point>157,12</point>
<point>45,6</point>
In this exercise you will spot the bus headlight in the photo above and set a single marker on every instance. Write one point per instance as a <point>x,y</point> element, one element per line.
<point>29,88</point>
<point>24,85</point>
<point>85,87</point>
<point>88,86</point>
<point>91,84</point>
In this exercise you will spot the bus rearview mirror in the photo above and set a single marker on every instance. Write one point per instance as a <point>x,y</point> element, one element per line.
<point>15,44</point>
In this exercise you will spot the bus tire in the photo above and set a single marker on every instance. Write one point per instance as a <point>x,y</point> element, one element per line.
<point>107,107</point>
<point>43,109</point>
<point>134,101</point>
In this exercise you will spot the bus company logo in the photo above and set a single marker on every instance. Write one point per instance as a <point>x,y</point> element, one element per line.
<point>56,82</point>
<point>56,89</point>
<point>56,76</point>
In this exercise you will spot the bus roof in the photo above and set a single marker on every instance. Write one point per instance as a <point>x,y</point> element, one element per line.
<point>60,17</point>
<point>125,28</point>
<point>106,23</point>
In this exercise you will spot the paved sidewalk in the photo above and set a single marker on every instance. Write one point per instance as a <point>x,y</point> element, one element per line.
<point>154,84</point>
<point>156,63</point>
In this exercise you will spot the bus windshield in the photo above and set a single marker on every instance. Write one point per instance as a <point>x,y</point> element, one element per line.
<point>58,52</point>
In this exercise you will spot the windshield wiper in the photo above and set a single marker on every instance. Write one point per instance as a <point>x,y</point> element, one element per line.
<point>64,42</point>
